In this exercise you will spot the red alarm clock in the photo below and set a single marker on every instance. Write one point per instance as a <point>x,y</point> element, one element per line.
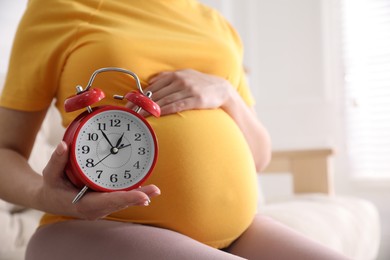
<point>112,148</point>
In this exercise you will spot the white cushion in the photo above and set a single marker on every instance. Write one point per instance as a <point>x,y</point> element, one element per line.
<point>348,225</point>
<point>16,230</point>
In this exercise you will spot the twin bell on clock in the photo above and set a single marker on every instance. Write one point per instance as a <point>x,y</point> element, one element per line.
<point>111,147</point>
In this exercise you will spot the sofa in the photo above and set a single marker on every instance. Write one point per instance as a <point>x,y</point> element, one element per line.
<point>347,224</point>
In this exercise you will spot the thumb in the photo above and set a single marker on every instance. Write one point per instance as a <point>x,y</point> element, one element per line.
<point>59,158</point>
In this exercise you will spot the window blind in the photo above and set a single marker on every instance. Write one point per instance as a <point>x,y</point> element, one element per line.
<point>366,48</point>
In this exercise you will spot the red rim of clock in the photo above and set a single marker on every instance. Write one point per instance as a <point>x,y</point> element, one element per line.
<point>68,139</point>
<point>144,102</point>
<point>74,170</point>
<point>83,99</point>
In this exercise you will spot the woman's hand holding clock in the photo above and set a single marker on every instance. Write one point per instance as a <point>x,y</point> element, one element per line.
<point>95,163</point>
<point>57,191</point>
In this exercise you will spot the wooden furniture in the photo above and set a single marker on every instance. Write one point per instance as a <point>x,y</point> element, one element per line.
<point>310,169</point>
<point>347,224</point>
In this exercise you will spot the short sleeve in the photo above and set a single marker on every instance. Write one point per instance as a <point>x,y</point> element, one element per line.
<point>39,51</point>
<point>244,90</point>
<point>243,87</point>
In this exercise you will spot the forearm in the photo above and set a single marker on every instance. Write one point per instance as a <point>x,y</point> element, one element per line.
<point>254,132</point>
<point>19,184</point>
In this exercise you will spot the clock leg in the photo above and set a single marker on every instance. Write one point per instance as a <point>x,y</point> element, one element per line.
<point>80,195</point>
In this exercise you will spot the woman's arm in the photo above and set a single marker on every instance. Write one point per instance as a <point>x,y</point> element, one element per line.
<point>18,182</point>
<point>50,192</point>
<point>255,133</point>
<point>189,89</point>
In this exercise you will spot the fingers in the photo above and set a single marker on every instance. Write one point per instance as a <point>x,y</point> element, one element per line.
<point>167,83</point>
<point>58,193</point>
<point>166,76</point>
<point>174,92</point>
<point>180,105</point>
<point>96,205</point>
<point>172,98</point>
<point>55,167</point>
<point>181,90</point>
<point>171,89</point>
<point>132,106</point>
<point>150,190</point>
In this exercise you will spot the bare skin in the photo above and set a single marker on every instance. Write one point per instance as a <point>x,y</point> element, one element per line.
<point>52,192</point>
<point>189,89</point>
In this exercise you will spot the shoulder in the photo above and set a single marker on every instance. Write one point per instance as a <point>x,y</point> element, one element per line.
<point>218,19</point>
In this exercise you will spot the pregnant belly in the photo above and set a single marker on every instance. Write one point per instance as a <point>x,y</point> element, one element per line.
<point>206,175</point>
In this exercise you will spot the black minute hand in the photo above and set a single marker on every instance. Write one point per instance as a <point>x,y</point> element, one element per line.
<point>105,137</point>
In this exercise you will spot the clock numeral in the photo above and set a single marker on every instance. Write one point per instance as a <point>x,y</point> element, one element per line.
<point>115,122</point>
<point>114,178</point>
<point>137,137</point>
<point>89,163</point>
<point>127,174</point>
<point>102,126</point>
<point>99,173</point>
<point>141,151</point>
<point>85,149</point>
<point>92,136</point>
<point>136,165</point>
<point>128,127</point>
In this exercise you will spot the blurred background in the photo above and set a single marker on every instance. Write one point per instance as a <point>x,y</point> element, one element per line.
<point>320,74</point>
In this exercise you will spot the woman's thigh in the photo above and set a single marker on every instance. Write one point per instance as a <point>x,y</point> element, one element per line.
<point>102,239</point>
<point>268,239</point>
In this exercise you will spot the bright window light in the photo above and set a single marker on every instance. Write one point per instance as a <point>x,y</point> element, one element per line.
<point>366,46</point>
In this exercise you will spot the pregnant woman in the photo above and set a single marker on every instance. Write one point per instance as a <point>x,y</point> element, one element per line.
<point>200,201</point>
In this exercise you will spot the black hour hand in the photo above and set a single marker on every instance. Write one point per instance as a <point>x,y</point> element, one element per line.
<point>118,143</point>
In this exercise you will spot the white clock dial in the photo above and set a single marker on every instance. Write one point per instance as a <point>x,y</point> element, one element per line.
<point>115,149</point>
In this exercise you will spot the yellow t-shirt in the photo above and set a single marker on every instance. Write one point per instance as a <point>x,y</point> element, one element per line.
<point>205,169</point>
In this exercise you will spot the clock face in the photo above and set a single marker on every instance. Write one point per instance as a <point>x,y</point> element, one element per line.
<point>114,149</point>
